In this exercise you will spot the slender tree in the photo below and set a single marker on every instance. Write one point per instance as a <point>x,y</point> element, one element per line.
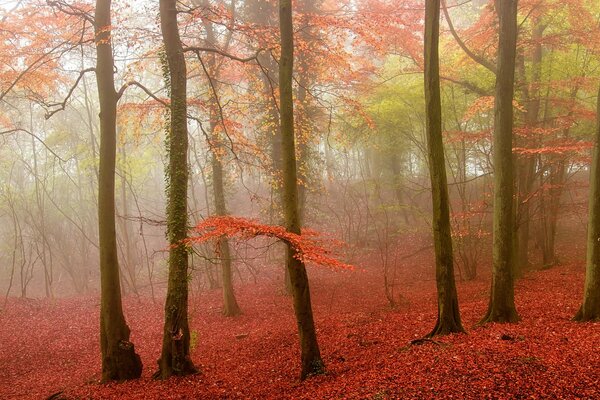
<point>501,307</point>
<point>119,360</point>
<point>310,353</point>
<point>448,312</point>
<point>590,308</point>
<point>175,356</point>
<point>218,149</point>
<point>525,165</point>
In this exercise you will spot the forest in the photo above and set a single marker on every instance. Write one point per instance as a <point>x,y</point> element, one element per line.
<point>299,199</point>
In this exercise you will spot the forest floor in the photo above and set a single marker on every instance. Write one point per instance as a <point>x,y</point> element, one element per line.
<point>52,346</point>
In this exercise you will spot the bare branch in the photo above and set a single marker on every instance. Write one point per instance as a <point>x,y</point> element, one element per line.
<point>15,130</point>
<point>218,102</point>
<point>144,88</point>
<point>61,106</point>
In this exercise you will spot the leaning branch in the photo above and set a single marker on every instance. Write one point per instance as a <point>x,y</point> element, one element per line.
<point>478,59</point>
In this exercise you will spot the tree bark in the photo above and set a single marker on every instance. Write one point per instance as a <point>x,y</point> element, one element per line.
<point>230,305</point>
<point>590,308</point>
<point>310,354</point>
<point>119,360</point>
<point>448,312</point>
<point>526,164</point>
<point>501,307</point>
<point>175,356</point>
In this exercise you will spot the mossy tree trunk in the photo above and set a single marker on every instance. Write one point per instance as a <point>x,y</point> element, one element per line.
<point>590,308</point>
<point>310,354</point>
<point>501,307</point>
<point>175,355</point>
<point>448,312</point>
<point>119,360</point>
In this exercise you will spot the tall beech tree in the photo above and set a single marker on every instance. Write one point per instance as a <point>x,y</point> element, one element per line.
<point>218,151</point>
<point>175,356</point>
<point>590,308</point>
<point>230,304</point>
<point>310,353</point>
<point>119,360</point>
<point>525,165</point>
<point>448,320</point>
<point>501,307</point>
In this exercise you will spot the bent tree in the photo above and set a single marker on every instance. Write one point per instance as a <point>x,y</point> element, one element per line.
<point>119,360</point>
<point>448,312</point>
<point>175,355</point>
<point>590,308</point>
<point>501,307</point>
<point>310,353</point>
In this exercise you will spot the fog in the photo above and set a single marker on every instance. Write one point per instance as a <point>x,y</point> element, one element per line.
<point>362,152</point>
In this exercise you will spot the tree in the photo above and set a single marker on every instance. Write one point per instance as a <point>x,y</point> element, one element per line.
<point>175,356</point>
<point>311,362</point>
<point>525,165</point>
<point>501,307</point>
<point>218,149</point>
<point>590,308</point>
<point>119,360</point>
<point>448,312</point>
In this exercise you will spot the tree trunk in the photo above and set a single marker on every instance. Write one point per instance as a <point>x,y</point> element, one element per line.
<point>448,312</point>
<point>550,210</point>
<point>119,360</point>
<point>502,303</point>
<point>230,305</point>
<point>310,353</point>
<point>265,10</point>
<point>175,356</point>
<point>526,164</point>
<point>550,203</point>
<point>590,308</point>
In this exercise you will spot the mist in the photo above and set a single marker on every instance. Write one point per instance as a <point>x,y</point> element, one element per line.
<point>299,199</point>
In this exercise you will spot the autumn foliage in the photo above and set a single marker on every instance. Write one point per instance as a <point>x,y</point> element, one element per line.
<point>310,246</point>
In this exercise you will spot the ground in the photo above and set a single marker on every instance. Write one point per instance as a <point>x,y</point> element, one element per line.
<point>52,346</point>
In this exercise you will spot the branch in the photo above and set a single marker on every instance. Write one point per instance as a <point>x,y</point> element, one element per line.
<point>198,50</point>
<point>468,85</point>
<point>15,130</point>
<point>144,88</point>
<point>63,104</point>
<point>29,68</point>
<point>478,59</point>
<point>71,10</point>
<point>216,96</point>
